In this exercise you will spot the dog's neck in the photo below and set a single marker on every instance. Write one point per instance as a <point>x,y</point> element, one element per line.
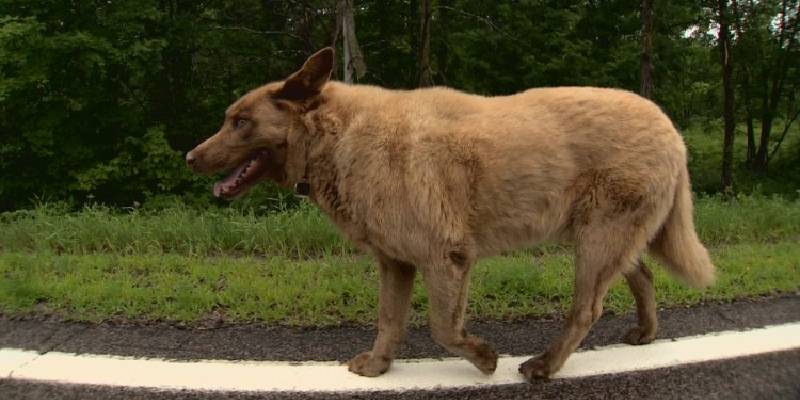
<point>302,188</point>
<point>324,126</point>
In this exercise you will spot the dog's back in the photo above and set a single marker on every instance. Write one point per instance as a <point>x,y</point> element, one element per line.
<point>511,171</point>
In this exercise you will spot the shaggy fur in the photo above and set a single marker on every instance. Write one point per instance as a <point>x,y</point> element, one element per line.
<point>431,180</point>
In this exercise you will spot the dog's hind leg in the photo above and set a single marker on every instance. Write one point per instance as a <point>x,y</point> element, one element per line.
<point>396,283</point>
<point>640,281</point>
<point>602,252</point>
<point>446,282</point>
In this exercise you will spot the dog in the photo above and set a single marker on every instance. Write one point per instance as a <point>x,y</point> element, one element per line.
<point>431,180</point>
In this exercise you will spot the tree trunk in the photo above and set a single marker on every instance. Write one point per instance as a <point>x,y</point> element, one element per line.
<point>786,127</point>
<point>761,160</point>
<point>727,84</point>
<point>348,60</point>
<point>337,29</point>
<point>778,79</point>
<point>439,48</point>
<point>304,30</point>
<point>353,60</point>
<point>745,75</point>
<point>751,134</point>
<point>425,76</point>
<point>646,60</point>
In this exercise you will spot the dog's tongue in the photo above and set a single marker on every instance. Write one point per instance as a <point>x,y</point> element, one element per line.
<point>229,183</point>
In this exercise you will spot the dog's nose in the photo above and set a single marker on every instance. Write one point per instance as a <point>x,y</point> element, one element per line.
<point>190,158</point>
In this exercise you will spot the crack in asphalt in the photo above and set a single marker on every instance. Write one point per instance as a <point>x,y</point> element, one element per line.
<point>23,365</point>
<point>50,347</point>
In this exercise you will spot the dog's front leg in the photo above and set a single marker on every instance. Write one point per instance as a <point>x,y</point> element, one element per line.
<point>396,283</point>
<point>446,282</point>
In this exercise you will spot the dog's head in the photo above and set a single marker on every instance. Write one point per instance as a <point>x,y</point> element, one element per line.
<point>259,129</point>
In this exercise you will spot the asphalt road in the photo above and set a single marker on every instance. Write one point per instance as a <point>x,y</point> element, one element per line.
<point>766,376</point>
<point>258,342</point>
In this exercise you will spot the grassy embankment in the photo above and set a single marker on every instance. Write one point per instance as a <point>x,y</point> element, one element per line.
<point>292,268</point>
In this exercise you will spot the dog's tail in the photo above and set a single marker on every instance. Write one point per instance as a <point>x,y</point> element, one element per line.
<point>677,245</point>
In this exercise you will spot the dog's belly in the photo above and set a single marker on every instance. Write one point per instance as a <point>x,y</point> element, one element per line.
<point>500,240</point>
<point>516,229</point>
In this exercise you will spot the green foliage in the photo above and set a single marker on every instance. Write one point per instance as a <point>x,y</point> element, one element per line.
<point>703,140</point>
<point>147,165</point>
<point>68,76</point>
<point>99,100</point>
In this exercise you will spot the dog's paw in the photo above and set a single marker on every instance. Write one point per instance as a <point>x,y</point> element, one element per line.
<point>365,364</point>
<point>637,336</point>
<point>536,368</point>
<point>486,359</point>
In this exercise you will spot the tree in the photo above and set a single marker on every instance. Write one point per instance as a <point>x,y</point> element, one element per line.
<point>775,74</point>
<point>161,72</point>
<point>745,73</point>
<point>727,84</point>
<point>424,54</point>
<point>766,36</point>
<point>646,63</point>
<point>351,52</point>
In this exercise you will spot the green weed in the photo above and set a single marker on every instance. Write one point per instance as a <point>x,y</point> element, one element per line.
<point>338,289</point>
<point>303,232</point>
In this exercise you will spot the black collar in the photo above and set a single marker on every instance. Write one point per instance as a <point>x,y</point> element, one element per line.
<point>302,188</point>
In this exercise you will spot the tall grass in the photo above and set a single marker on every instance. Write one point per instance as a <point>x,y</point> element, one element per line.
<point>304,232</point>
<point>300,233</point>
<point>292,267</point>
<point>335,290</point>
<point>747,218</point>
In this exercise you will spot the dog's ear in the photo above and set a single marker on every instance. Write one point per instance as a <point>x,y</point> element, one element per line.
<point>310,79</point>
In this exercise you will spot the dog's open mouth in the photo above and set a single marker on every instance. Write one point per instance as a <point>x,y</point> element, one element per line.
<point>243,177</point>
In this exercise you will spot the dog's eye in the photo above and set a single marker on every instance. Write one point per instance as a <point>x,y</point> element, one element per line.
<point>240,123</point>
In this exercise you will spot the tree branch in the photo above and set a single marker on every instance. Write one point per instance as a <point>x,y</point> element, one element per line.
<point>488,22</point>
<point>783,134</point>
<point>258,32</point>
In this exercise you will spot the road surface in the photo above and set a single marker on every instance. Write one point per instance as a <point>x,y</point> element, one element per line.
<point>769,374</point>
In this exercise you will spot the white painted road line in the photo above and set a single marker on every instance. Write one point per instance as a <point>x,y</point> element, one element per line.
<point>404,375</point>
<point>12,359</point>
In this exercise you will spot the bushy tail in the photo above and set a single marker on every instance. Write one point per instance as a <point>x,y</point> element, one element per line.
<point>677,244</point>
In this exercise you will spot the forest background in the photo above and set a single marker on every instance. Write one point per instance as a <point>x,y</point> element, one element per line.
<point>99,100</point>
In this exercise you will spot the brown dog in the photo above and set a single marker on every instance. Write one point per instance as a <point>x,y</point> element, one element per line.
<point>434,179</point>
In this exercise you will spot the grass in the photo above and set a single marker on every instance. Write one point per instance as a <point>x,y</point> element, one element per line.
<point>304,233</point>
<point>184,265</point>
<point>337,289</point>
<point>300,233</point>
